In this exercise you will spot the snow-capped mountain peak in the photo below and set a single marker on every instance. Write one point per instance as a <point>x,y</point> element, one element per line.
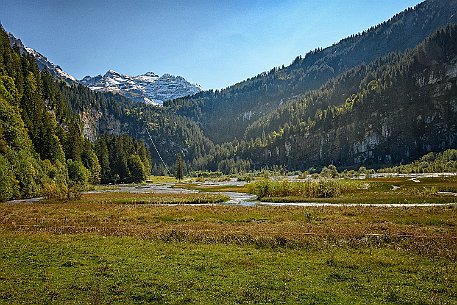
<point>41,60</point>
<point>148,88</point>
<point>151,74</point>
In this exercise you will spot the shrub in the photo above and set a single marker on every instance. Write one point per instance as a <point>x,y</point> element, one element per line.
<point>329,188</point>
<point>77,172</point>
<point>53,190</point>
<point>321,188</point>
<point>245,177</point>
<point>8,183</point>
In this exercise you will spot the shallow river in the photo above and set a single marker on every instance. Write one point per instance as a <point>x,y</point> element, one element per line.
<point>241,199</point>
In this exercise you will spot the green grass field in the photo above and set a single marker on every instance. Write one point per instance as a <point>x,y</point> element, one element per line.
<point>111,250</point>
<point>90,269</point>
<point>393,190</point>
<point>143,198</point>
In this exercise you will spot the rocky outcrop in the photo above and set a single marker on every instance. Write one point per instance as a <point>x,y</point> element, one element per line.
<point>147,88</point>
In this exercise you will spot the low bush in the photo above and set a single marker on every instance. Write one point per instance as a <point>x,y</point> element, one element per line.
<point>320,188</point>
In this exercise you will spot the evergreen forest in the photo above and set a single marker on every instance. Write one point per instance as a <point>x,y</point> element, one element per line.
<point>376,99</point>
<point>43,151</point>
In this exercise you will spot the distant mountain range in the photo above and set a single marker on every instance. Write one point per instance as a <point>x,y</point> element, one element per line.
<point>148,88</point>
<point>381,97</point>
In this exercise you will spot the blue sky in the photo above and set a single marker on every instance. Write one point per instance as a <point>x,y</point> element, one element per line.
<point>212,43</point>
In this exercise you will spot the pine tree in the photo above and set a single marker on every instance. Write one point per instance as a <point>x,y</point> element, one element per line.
<point>179,167</point>
<point>136,168</point>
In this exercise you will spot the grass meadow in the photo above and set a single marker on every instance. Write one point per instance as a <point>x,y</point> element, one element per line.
<point>392,190</point>
<point>111,249</point>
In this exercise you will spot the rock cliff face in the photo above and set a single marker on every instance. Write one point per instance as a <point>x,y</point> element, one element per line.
<point>148,88</point>
<point>414,115</point>
<point>99,122</point>
<point>223,115</point>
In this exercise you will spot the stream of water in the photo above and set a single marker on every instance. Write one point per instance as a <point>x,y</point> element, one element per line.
<point>236,198</point>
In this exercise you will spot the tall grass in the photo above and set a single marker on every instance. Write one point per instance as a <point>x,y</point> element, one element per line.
<point>322,188</point>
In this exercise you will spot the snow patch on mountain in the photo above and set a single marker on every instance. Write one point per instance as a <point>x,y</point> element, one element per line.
<point>41,60</point>
<point>147,88</point>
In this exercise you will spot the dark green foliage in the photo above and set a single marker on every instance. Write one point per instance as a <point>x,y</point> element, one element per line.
<point>55,183</point>
<point>444,162</point>
<point>74,141</point>
<point>123,159</point>
<point>77,172</point>
<point>28,172</point>
<point>8,183</point>
<point>90,161</point>
<point>179,169</point>
<point>136,168</point>
<point>38,132</point>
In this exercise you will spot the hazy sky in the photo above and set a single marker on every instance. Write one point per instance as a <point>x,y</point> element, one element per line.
<point>212,43</point>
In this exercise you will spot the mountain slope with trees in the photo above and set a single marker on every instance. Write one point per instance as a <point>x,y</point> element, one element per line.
<point>377,98</point>
<point>399,107</point>
<point>42,148</point>
<point>108,113</point>
<point>224,115</point>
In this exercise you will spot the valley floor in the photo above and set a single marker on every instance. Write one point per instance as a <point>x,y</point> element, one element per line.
<point>101,250</point>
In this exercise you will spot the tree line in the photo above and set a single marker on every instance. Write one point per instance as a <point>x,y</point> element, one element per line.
<point>42,148</point>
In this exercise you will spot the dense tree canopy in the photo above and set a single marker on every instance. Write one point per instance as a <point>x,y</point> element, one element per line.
<point>124,159</point>
<point>42,148</point>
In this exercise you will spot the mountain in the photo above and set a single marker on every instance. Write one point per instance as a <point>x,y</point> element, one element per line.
<point>392,111</point>
<point>401,107</point>
<point>224,115</point>
<point>41,60</point>
<point>381,97</point>
<point>108,113</point>
<point>148,88</point>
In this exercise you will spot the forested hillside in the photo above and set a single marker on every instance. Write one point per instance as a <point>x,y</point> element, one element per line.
<point>397,109</point>
<point>108,113</point>
<point>224,115</point>
<point>377,98</point>
<point>42,148</point>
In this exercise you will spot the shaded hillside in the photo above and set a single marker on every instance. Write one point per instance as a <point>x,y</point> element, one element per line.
<point>224,115</point>
<point>404,106</point>
<point>108,113</point>
<point>42,148</point>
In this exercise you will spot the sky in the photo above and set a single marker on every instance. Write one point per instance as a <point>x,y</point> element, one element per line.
<point>209,42</point>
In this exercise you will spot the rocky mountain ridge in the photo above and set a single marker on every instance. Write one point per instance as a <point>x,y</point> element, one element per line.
<point>148,88</point>
<point>41,60</point>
